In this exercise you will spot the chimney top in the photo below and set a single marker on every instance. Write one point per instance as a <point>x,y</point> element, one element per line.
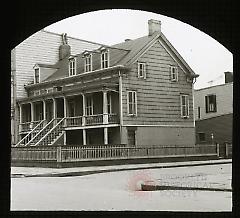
<point>228,77</point>
<point>154,26</point>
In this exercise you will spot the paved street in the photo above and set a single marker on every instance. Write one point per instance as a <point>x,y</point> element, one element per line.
<point>121,190</point>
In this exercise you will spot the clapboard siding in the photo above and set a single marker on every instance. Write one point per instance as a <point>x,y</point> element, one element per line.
<point>42,47</point>
<point>158,97</point>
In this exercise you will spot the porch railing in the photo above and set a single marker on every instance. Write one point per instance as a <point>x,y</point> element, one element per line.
<point>74,121</point>
<point>25,127</point>
<point>104,152</point>
<point>28,126</point>
<point>113,118</point>
<point>94,119</point>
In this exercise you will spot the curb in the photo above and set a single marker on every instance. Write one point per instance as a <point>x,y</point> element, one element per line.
<point>83,173</point>
<point>162,187</point>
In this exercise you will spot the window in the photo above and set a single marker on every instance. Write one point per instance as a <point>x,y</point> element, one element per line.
<point>89,105</point>
<point>142,70</point>
<point>211,104</point>
<point>201,136</point>
<point>132,103</point>
<point>131,137</point>
<point>88,63</point>
<point>71,108</point>
<point>184,106</point>
<point>104,59</point>
<point>36,75</point>
<point>199,112</point>
<point>72,67</point>
<point>109,103</point>
<point>174,73</point>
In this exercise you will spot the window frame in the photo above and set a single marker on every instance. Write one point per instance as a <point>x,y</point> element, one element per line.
<point>172,68</point>
<point>70,68</point>
<point>87,66</point>
<point>133,105</point>
<point>89,108</point>
<point>208,105</point>
<point>200,138</point>
<point>36,69</point>
<point>143,71</point>
<point>105,60</point>
<point>184,105</point>
<point>109,103</point>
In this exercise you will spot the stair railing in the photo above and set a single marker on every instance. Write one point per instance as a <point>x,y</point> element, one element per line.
<point>42,132</point>
<point>44,140</point>
<point>31,134</point>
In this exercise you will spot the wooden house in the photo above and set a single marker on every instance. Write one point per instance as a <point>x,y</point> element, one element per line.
<point>214,112</point>
<point>138,92</point>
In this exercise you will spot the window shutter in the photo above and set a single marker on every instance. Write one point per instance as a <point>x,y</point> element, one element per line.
<point>145,71</point>
<point>215,103</point>
<point>206,103</point>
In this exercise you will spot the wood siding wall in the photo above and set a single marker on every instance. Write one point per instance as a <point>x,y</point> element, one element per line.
<point>224,100</point>
<point>42,47</point>
<point>158,98</point>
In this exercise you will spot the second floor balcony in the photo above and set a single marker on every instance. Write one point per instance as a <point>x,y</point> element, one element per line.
<point>79,110</point>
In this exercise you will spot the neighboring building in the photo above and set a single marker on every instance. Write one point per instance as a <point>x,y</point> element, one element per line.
<point>139,92</point>
<point>41,47</point>
<point>214,112</point>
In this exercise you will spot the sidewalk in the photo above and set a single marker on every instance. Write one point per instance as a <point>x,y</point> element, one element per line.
<point>80,171</point>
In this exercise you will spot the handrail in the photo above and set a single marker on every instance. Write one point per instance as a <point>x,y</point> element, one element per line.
<point>29,133</point>
<point>50,122</point>
<point>49,132</point>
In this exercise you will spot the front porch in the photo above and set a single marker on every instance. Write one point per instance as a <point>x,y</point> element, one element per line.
<point>76,112</point>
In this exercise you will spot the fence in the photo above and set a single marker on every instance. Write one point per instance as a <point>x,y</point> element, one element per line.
<point>106,152</point>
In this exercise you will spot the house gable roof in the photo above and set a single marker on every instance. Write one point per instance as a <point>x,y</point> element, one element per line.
<point>125,54</point>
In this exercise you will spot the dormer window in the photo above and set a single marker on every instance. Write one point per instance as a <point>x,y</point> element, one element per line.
<point>104,59</point>
<point>72,67</point>
<point>174,73</point>
<point>36,75</point>
<point>88,63</point>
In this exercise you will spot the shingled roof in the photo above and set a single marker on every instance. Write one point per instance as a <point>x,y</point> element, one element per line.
<point>124,53</point>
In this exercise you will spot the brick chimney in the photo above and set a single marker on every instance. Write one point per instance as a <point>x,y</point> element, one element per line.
<point>154,26</point>
<point>64,49</point>
<point>228,77</point>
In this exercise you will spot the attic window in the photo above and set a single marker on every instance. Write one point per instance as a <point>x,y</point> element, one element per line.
<point>88,63</point>
<point>142,70</point>
<point>174,73</point>
<point>72,67</point>
<point>104,59</point>
<point>36,75</point>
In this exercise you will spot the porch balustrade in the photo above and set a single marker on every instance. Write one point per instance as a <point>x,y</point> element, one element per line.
<point>94,119</point>
<point>74,121</point>
<point>113,118</point>
<point>28,126</point>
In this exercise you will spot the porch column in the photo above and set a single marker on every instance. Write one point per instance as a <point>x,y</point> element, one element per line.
<point>65,106</point>
<point>105,112</point>
<point>20,117</point>
<point>32,114</point>
<point>105,135</point>
<point>84,110</point>
<point>84,137</point>
<point>44,109</point>
<point>54,108</point>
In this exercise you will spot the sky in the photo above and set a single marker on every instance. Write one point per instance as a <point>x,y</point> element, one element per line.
<point>204,55</point>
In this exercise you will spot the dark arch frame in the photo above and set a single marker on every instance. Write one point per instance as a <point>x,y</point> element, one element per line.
<point>214,17</point>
